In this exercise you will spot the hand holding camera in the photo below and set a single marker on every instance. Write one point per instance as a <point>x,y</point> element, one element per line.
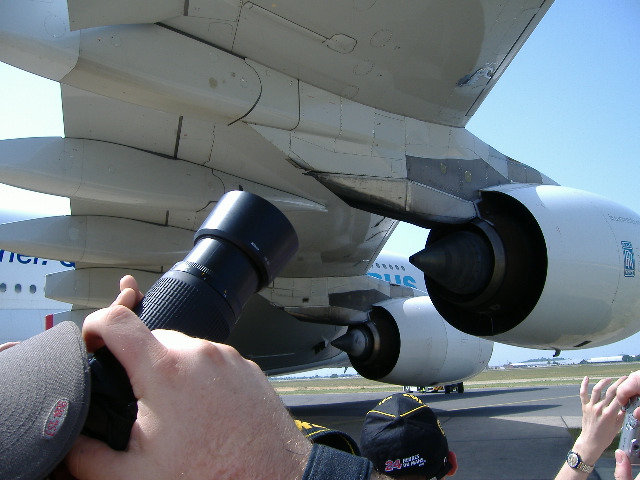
<point>629,441</point>
<point>204,411</point>
<point>51,389</point>
<point>239,249</point>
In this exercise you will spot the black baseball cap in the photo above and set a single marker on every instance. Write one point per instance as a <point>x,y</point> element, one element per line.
<point>44,401</point>
<point>402,436</point>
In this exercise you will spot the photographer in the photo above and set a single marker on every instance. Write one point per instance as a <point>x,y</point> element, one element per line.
<point>629,388</point>
<point>204,412</point>
<point>601,421</point>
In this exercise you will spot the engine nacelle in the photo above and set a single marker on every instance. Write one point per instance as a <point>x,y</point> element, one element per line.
<point>406,342</point>
<point>544,266</point>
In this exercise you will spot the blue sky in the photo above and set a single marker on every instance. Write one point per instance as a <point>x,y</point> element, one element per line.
<point>568,105</point>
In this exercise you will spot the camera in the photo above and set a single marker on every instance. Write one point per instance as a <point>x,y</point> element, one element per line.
<point>239,249</point>
<point>629,441</point>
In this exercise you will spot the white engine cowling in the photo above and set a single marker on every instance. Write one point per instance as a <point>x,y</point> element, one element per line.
<point>560,272</point>
<point>409,343</point>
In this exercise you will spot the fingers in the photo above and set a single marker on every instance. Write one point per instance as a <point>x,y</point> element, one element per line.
<point>603,403</point>
<point>623,466</point>
<point>90,459</point>
<point>129,282</point>
<point>596,393</point>
<point>613,390</point>
<point>130,294</point>
<point>629,388</point>
<point>584,391</point>
<point>127,338</point>
<point>127,298</point>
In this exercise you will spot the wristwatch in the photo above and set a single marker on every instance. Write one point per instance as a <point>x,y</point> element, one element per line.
<point>574,461</point>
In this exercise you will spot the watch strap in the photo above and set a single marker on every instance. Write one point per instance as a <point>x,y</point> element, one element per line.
<point>580,465</point>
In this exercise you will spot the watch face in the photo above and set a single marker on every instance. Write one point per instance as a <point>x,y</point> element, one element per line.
<point>573,459</point>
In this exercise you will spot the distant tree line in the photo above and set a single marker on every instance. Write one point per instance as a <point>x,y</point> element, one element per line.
<point>543,359</point>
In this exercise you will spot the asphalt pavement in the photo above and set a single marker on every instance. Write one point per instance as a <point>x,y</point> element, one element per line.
<point>503,433</point>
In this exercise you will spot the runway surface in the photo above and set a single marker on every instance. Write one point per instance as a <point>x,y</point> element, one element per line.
<point>501,433</point>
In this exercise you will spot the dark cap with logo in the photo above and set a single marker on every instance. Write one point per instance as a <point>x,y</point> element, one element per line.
<point>44,401</point>
<point>402,436</point>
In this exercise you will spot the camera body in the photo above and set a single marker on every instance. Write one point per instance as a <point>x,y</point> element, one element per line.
<point>239,249</point>
<point>629,441</point>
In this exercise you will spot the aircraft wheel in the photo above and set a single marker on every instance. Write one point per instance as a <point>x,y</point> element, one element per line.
<point>460,387</point>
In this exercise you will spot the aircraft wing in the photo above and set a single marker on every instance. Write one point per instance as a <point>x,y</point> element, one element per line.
<point>348,116</point>
<point>166,108</point>
<point>431,61</point>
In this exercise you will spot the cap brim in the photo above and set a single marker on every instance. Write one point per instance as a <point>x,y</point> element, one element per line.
<point>44,401</point>
<point>329,437</point>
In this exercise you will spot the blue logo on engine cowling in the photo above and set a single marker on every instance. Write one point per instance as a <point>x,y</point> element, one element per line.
<point>629,261</point>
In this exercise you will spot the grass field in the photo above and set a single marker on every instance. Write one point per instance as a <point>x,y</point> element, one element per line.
<point>556,375</point>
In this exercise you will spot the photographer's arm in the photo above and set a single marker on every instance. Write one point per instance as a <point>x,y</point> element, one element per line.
<point>601,421</point>
<point>204,411</point>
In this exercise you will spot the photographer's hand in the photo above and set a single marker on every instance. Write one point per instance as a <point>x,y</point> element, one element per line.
<point>623,467</point>
<point>601,418</point>
<point>601,421</point>
<point>629,388</point>
<point>204,412</point>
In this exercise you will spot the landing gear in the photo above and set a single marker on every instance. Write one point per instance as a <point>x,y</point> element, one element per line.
<point>454,387</point>
<point>457,387</point>
<point>411,389</point>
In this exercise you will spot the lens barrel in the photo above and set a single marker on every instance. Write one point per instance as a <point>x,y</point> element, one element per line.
<point>240,248</point>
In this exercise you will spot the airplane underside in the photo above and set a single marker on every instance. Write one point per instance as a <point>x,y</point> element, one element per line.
<point>357,128</point>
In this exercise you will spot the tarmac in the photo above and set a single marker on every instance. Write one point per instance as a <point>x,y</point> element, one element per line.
<point>524,446</point>
<point>516,448</point>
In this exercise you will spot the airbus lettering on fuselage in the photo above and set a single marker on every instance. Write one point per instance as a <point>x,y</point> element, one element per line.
<point>12,257</point>
<point>406,280</point>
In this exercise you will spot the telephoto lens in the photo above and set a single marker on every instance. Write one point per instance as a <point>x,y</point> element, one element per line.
<point>240,248</point>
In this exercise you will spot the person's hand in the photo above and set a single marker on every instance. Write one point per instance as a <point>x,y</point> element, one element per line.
<point>629,388</point>
<point>623,467</point>
<point>204,412</point>
<point>601,419</point>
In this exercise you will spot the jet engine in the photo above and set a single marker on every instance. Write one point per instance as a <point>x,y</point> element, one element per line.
<point>406,342</point>
<point>543,266</point>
